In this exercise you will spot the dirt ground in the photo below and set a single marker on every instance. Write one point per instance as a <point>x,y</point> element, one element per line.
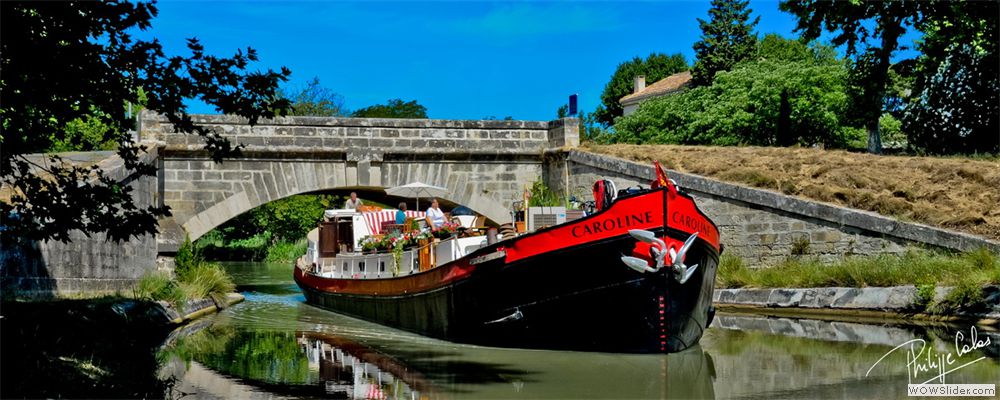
<point>962,194</point>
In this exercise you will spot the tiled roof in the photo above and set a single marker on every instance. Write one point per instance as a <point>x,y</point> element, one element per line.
<point>670,84</point>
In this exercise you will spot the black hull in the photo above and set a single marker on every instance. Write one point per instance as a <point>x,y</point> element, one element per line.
<point>582,298</point>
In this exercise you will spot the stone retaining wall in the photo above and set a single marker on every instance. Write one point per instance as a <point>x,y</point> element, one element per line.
<point>766,227</point>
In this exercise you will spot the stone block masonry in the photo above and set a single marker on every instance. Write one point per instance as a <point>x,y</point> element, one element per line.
<point>484,164</point>
<point>765,227</point>
<point>84,266</point>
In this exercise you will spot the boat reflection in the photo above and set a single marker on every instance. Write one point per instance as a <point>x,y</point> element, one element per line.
<point>350,370</point>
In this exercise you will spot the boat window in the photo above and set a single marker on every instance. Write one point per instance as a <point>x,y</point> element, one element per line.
<point>381,266</point>
<point>361,266</point>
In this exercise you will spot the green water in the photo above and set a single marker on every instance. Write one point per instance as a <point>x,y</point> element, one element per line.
<point>275,345</point>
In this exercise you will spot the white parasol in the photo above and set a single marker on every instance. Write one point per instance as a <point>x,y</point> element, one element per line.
<point>417,190</point>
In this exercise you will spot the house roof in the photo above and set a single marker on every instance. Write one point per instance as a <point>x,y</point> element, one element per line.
<point>670,84</point>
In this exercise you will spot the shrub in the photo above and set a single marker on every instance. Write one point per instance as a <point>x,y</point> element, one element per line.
<point>541,195</point>
<point>158,286</point>
<point>757,103</point>
<point>924,296</point>
<point>207,280</point>
<point>286,251</point>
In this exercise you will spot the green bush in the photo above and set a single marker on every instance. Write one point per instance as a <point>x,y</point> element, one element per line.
<point>207,280</point>
<point>757,103</point>
<point>286,251</point>
<point>159,286</point>
<point>924,296</point>
<point>542,196</point>
<point>196,278</point>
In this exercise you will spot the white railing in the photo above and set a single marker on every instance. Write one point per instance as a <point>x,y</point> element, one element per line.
<point>381,265</point>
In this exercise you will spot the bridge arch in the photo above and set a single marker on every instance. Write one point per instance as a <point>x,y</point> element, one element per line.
<point>213,202</point>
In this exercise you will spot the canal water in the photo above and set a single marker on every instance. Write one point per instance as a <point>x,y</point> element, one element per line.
<point>274,345</point>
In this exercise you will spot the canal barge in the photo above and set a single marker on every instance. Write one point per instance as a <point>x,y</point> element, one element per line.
<point>636,275</point>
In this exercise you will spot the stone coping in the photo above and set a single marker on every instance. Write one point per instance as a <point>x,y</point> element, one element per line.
<point>897,299</point>
<point>197,308</point>
<point>841,216</point>
<point>209,119</point>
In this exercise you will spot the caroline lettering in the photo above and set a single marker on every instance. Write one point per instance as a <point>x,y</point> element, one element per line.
<point>614,224</point>
<point>693,224</point>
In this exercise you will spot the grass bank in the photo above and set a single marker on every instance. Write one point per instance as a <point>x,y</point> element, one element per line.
<point>959,193</point>
<point>967,273</point>
<point>195,279</point>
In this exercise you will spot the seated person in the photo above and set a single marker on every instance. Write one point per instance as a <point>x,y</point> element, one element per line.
<point>354,202</point>
<point>435,217</point>
<point>401,214</point>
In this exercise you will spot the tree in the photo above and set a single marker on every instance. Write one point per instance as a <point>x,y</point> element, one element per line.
<point>316,101</point>
<point>394,108</point>
<point>727,38</point>
<point>954,106</point>
<point>656,66</point>
<point>766,102</point>
<point>65,61</point>
<point>774,47</point>
<point>871,31</point>
<point>956,109</point>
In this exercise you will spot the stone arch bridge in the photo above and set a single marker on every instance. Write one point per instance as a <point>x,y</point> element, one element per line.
<point>484,164</point>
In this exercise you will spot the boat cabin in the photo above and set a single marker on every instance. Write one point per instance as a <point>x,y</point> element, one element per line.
<point>368,244</point>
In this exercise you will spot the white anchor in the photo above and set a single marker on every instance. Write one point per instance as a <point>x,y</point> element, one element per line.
<point>681,272</point>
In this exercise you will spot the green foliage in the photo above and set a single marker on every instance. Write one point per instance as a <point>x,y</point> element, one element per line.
<point>206,280</point>
<point>87,133</point>
<point>757,103</point>
<point>655,66</point>
<point>188,257</point>
<point>892,131</point>
<point>260,356</point>
<point>284,251</point>
<point>924,296</point>
<point>542,196</point>
<point>956,108</point>
<point>160,286</point>
<point>198,278</point>
<point>316,101</point>
<point>800,246</point>
<point>68,69</point>
<point>394,108</point>
<point>732,272</point>
<point>290,218</point>
<point>774,47</point>
<point>870,31</point>
<point>270,232</point>
<point>915,267</point>
<point>727,39</point>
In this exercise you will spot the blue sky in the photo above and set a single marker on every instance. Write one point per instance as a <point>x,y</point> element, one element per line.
<point>462,60</point>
